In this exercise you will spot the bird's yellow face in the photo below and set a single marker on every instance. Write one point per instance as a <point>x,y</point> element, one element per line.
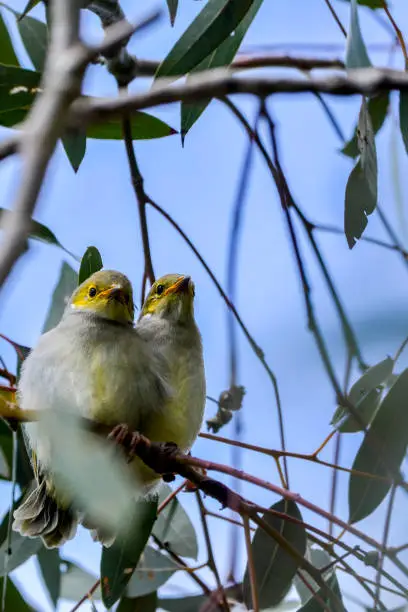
<point>171,297</point>
<point>107,294</point>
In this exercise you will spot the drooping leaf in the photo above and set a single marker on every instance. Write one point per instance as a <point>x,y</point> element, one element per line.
<point>373,4</point>
<point>172,6</point>
<point>38,231</point>
<point>365,395</point>
<point>88,470</point>
<point>174,527</point>
<point>74,143</point>
<point>120,560</point>
<point>22,548</point>
<point>359,202</point>
<point>209,29</point>
<point>14,599</point>
<point>222,56</point>
<point>144,127</point>
<point>381,452</point>
<point>145,603</point>
<point>194,603</point>
<point>75,581</point>
<point>50,566</point>
<point>153,570</point>
<point>7,54</point>
<point>366,146</point>
<point>91,262</point>
<point>314,605</point>
<point>18,89</point>
<point>356,52</point>
<point>34,35</point>
<point>29,6</point>
<point>320,559</point>
<point>377,109</point>
<point>67,283</point>
<point>274,567</point>
<point>403,117</point>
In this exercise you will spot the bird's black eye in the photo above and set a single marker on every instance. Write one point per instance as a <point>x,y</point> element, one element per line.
<point>92,292</point>
<point>160,289</point>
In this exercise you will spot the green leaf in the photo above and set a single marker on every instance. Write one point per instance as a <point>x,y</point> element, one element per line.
<point>403,116</point>
<point>67,283</point>
<point>172,6</point>
<point>153,570</point>
<point>38,231</point>
<point>173,527</point>
<point>194,603</point>
<point>222,56</point>
<point>14,600</point>
<point>91,262</point>
<point>365,394</point>
<point>18,89</point>
<point>146,603</point>
<point>30,5</point>
<point>381,452</point>
<point>74,143</point>
<point>22,548</point>
<point>274,567</point>
<point>377,109</point>
<point>359,202</point>
<point>373,4</point>
<point>356,52</point>
<point>120,560</point>
<point>88,470</point>
<point>320,559</point>
<point>50,562</point>
<point>75,582</point>
<point>366,146</point>
<point>34,35</point>
<point>5,472</point>
<point>144,127</point>
<point>209,29</point>
<point>7,55</point>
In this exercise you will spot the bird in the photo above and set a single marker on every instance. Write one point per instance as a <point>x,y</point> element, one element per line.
<point>148,376</point>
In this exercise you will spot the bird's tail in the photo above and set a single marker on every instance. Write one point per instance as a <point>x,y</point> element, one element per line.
<point>40,515</point>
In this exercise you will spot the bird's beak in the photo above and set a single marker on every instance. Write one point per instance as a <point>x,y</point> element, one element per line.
<point>115,292</point>
<point>182,285</point>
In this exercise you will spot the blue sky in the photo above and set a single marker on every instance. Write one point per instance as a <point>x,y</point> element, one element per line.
<point>197,185</point>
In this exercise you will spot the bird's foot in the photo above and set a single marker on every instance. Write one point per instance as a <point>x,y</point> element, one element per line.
<point>122,436</point>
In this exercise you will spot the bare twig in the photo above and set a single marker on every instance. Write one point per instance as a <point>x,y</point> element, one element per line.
<point>387,525</point>
<point>335,17</point>
<point>251,566</point>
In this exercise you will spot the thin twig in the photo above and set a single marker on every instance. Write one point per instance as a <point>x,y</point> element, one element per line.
<point>251,566</point>
<point>387,525</point>
<point>335,17</point>
<point>397,32</point>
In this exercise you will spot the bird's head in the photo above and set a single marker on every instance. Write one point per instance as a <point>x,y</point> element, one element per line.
<point>106,294</point>
<point>171,297</point>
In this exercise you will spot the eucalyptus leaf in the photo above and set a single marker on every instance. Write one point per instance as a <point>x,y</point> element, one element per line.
<point>356,52</point>
<point>173,527</point>
<point>365,394</point>
<point>274,567</point>
<point>75,581</point>
<point>222,56</point>
<point>373,4</point>
<point>359,202</point>
<point>50,562</point>
<point>74,143</point>
<point>381,452</point>
<point>366,146</point>
<point>209,29</point>
<point>15,602</point>
<point>403,117</point>
<point>377,109</point>
<point>88,470</point>
<point>67,283</point>
<point>145,603</point>
<point>320,559</point>
<point>34,35</point>
<point>18,89</point>
<point>152,571</point>
<point>91,262</point>
<point>193,603</point>
<point>120,560</point>
<point>144,127</point>
<point>172,6</point>
<point>22,548</point>
<point>7,54</point>
<point>29,6</point>
<point>5,472</point>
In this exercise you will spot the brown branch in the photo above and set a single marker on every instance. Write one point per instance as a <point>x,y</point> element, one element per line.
<point>221,82</point>
<point>335,17</point>
<point>397,32</point>
<point>251,566</point>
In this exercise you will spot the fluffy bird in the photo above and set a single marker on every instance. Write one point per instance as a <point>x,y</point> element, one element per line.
<point>149,377</point>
